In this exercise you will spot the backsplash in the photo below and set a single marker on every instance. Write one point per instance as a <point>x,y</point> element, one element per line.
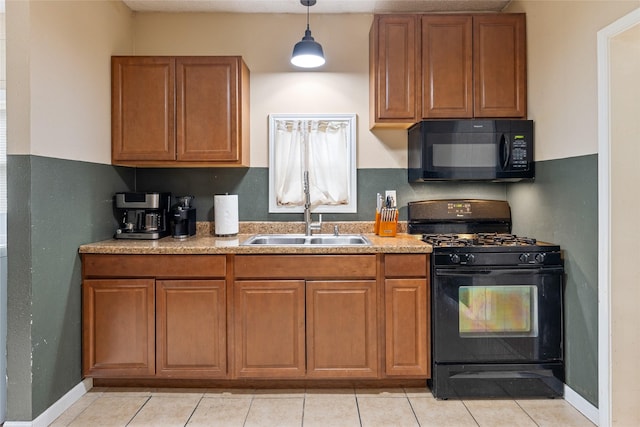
<point>252,187</point>
<point>296,227</point>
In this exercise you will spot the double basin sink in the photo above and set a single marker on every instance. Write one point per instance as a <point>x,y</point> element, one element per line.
<point>302,240</point>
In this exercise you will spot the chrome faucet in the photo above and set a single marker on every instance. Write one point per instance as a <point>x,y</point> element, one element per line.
<point>309,224</point>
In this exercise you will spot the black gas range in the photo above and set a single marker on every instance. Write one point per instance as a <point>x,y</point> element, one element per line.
<point>496,302</point>
<point>499,249</point>
<point>476,232</point>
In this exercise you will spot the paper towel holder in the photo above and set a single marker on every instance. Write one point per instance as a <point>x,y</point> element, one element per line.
<point>225,211</point>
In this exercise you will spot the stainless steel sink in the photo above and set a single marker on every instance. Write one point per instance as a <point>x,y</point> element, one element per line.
<point>302,240</point>
<point>275,239</point>
<point>339,240</point>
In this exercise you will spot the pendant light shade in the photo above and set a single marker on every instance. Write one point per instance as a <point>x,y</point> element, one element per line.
<point>307,53</point>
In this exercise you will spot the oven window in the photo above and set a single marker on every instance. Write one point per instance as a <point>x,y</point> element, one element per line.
<point>506,311</point>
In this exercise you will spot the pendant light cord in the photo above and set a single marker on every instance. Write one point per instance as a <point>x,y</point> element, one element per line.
<point>307,53</point>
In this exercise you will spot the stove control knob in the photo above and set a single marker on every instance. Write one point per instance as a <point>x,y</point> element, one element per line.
<point>470,259</point>
<point>540,257</point>
<point>454,258</point>
<point>524,258</point>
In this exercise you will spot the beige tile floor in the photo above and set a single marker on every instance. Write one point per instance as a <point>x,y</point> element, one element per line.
<point>309,408</point>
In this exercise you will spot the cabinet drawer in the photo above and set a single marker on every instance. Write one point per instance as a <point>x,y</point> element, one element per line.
<point>304,266</point>
<point>413,265</point>
<point>159,266</point>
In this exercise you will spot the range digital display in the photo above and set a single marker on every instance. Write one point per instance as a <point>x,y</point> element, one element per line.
<point>459,208</point>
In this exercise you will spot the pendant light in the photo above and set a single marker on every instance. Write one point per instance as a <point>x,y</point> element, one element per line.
<point>307,53</point>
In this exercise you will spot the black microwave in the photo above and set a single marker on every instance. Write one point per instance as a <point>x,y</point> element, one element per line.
<point>471,150</point>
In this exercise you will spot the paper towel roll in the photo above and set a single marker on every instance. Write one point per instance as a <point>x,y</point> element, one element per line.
<point>225,212</point>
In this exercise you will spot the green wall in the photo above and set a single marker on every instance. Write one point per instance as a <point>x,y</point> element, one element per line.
<point>562,207</point>
<point>57,205</point>
<point>54,207</point>
<point>252,187</point>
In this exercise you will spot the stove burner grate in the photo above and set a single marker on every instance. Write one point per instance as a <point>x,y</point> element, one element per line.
<point>447,240</point>
<point>480,239</point>
<point>504,239</point>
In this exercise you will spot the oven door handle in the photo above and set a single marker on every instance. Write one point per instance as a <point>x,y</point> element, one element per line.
<point>467,271</point>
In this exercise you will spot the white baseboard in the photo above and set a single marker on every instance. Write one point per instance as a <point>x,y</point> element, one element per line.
<point>55,410</point>
<point>582,405</point>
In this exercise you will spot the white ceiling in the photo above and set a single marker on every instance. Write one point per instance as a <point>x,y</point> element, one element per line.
<point>322,6</point>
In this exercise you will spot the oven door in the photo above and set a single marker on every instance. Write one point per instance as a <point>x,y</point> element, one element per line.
<point>497,315</point>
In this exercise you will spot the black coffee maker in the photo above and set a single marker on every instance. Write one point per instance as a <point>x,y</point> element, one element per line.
<point>142,216</point>
<point>184,218</point>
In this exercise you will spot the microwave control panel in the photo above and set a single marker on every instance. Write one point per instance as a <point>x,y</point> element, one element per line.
<point>519,155</point>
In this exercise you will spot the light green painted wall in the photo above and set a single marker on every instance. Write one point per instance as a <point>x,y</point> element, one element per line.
<point>561,206</point>
<point>54,206</point>
<point>252,187</point>
<point>57,205</point>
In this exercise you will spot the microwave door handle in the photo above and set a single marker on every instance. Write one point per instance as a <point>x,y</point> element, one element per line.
<point>505,152</point>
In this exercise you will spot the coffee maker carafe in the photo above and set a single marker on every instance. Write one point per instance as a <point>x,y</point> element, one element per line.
<point>184,218</point>
<point>142,215</point>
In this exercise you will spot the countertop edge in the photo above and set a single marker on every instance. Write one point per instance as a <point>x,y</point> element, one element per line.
<point>207,244</point>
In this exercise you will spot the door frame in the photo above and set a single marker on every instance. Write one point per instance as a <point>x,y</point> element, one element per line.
<point>604,37</point>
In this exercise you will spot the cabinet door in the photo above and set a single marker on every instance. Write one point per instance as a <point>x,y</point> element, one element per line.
<point>393,66</point>
<point>191,328</point>
<point>269,329</point>
<point>447,70</point>
<point>208,104</point>
<point>342,329</point>
<point>142,109</point>
<point>118,328</point>
<point>407,328</point>
<point>499,46</point>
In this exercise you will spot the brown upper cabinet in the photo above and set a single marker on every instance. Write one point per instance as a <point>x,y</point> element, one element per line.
<point>393,67</point>
<point>179,111</point>
<point>447,66</point>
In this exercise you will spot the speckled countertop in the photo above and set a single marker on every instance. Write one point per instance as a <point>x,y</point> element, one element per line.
<point>204,242</point>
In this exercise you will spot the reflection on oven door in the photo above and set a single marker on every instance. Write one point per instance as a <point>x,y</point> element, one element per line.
<point>494,311</point>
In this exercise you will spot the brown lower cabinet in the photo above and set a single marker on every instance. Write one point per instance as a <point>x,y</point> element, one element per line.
<point>351,316</point>
<point>342,329</point>
<point>269,329</point>
<point>407,319</point>
<point>154,316</point>
<point>191,329</point>
<point>318,321</point>
<point>118,327</point>
<point>407,327</point>
<point>332,335</point>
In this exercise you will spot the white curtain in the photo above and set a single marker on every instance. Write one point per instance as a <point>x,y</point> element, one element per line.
<point>319,146</point>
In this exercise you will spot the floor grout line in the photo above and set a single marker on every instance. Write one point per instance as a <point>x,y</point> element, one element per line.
<point>246,417</point>
<point>139,409</point>
<point>358,408</point>
<point>470,413</point>
<point>194,409</point>
<point>525,411</point>
<point>413,410</point>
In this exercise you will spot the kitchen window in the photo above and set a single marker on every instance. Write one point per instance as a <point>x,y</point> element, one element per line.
<point>325,146</point>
